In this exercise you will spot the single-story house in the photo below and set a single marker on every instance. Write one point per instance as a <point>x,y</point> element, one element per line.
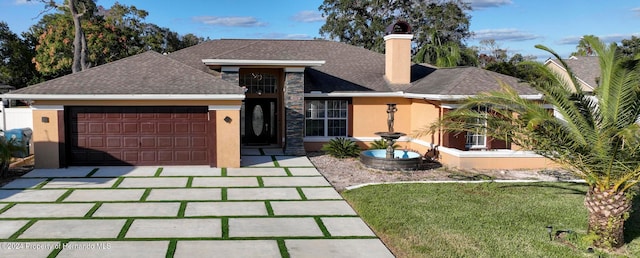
<point>585,68</point>
<point>199,105</point>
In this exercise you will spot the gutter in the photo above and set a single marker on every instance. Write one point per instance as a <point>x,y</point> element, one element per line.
<point>125,96</point>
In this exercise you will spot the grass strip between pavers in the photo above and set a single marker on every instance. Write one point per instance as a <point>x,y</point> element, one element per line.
<point>7,207</point>
<point>117,183</point>
<point>189,182</point>
<point>260,181</point>
<point>283,248</point>
<point>223,194</point>
<point>171,250</point>
<point>57,251</point>
<point>225,227</point>
<point>158,172</point>
<point>65,195</point>
<point>93,210</point>
<point>22,229</point>
<point>323,228</point>
<point>145,195</point>
<point>286,170</point>
<point>262,153</point>
<point>304,197</point>
<point>93,171</point>
<point>267,204</point>
<point>40,185</point>
<point>275,161</point>
<point>223,172</point>
<point>181,210</point>
<point>125,228</point>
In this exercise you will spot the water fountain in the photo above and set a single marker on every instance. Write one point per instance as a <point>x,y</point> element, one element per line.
<point>390,159</point>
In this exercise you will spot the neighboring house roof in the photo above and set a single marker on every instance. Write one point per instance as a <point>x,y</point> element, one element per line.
<point>585,68</point>
<point>149,73</point>
<point>466,81</point>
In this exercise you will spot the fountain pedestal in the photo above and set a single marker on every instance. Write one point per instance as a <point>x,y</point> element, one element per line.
<point>390,138</point>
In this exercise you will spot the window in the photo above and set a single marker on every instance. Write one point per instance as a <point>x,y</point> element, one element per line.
<point>478,139</point>
<point>326,118</point>
<point>259,83</point>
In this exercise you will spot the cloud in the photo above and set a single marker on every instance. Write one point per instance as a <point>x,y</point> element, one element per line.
<point>308,16</point>
<point>636,11</point>
<point>277,35</point>
<point>504,35</point>
<point>574,40</point>
<point>24,2</point>
<point>230,21</point>
<point>480,4</point>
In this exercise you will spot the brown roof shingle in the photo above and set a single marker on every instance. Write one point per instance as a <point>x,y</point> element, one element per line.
<point>146,73</point>
<point>466,81</point>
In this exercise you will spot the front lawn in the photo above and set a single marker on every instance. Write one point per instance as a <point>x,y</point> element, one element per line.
<point>480,220</point>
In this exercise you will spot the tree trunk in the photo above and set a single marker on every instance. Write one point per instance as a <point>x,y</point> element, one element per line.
<point>79,49</point>
<point>607,212</point>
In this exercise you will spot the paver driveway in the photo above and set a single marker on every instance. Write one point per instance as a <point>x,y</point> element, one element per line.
<point>274,206</point>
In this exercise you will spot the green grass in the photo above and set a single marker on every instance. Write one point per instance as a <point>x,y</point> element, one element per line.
<point>480,220</point>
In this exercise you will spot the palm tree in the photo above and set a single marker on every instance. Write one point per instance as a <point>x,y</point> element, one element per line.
<point>597,139</point>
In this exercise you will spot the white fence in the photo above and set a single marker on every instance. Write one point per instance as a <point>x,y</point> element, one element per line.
<point>14,118</point>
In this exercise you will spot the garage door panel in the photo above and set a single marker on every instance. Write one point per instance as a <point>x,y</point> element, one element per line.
<point>139,136</point>
<point>148,142</point>
<point>95,143</point>
<point>130,128</point>
<point>113,128</point>
<point>131,142</point>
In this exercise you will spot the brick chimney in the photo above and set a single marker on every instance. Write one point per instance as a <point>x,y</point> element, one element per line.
<point>398,53</point>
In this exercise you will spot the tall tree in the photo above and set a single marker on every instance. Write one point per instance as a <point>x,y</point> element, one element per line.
<point>76,9</point>
<point>597,138</point>
<point>110,34</point>
<point>16,68</point>
<point>363,22</point>
<point>584,48</point>
<point>630,47</point>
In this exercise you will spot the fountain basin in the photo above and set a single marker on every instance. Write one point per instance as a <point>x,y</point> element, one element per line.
<point>402,160</point>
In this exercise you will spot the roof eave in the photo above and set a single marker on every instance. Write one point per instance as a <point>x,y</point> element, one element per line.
<point>242,62</point>
<point>125,96</point>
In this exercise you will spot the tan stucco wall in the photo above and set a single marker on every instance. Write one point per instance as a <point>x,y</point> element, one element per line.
<point>46,140</point>
<point>228,138</point>
<point>370,116</point>
<point>488,163</point>
<point>398,60</point>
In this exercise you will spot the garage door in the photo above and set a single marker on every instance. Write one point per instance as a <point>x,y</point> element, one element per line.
<point>139,136</point>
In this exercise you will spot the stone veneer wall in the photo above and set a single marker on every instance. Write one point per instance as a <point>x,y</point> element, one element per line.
<point>294,112</point>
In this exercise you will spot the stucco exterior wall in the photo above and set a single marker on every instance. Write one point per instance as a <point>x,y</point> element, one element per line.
<point>498,161</point>
<point>370,116</point>
<point>228,138</point>
<point>46,137</point>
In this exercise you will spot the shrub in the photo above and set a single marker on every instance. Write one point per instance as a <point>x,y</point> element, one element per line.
<point>341,148</point>
<point>381,144</point>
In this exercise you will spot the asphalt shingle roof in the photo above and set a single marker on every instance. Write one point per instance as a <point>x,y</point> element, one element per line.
<point>146,73</point>
<point>346,69</point>
<point>466,81</point>
<point>587,68</point>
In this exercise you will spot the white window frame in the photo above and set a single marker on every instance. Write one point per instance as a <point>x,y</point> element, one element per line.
<point>470,142</point>
<point>325,118</point>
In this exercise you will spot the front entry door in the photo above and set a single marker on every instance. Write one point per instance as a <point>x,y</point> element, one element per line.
<point>260,122</point>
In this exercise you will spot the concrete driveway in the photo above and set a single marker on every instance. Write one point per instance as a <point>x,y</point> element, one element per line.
<point>274,206</point>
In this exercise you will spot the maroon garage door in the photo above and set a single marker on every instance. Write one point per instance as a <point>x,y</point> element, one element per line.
<point>139,136</point>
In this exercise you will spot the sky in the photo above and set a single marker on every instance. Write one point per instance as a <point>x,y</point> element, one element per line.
<point>515,25</point>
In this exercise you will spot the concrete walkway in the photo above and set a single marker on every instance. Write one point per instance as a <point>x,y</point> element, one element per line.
<point>274,206</point>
